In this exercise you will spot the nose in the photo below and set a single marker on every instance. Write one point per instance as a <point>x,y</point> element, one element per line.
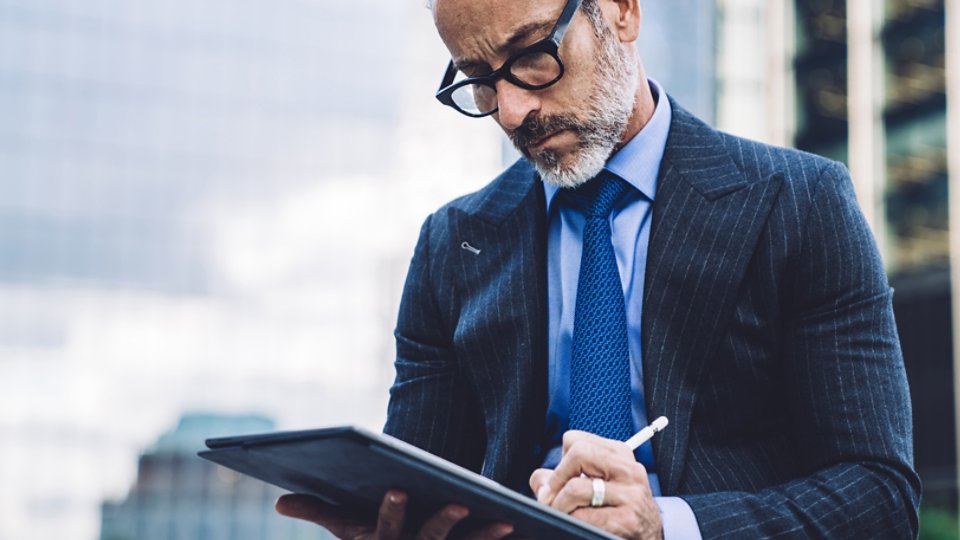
<point>515,104</point>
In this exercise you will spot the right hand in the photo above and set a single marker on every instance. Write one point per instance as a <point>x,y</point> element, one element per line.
<point>390,519</point>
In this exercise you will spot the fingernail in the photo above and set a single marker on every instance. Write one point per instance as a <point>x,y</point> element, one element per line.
<point>289,504</point>
<point>395,498</point>
<point>457,513</point>
<point>543,493</point>
<point>504,530</point>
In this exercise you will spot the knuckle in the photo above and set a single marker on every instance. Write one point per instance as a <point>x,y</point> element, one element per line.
<point>569,497</point>
<point>574,437</point>
<point>429,532</point>
<point>578,450</point>
<point>435,528</point>
<point>623,452</point>
<point>585,487</point>
<point>574,494</point>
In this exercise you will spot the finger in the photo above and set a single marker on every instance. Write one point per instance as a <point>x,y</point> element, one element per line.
<point>539,484</point>
<point>392,514</point>
<point>595,459</point>
<point>304,507</point>
<point>316,511</point>
<point>578,493</point>
<point>573,436</point>
<point>440,524</point>
<point>491,532</point>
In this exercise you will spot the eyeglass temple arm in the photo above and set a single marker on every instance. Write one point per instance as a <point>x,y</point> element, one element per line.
<point>564,21</point>
<point>448,76</point>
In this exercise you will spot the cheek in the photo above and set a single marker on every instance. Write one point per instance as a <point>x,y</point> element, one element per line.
<point>572,98</point>
<point>579,76</point>
<point>580,43</point>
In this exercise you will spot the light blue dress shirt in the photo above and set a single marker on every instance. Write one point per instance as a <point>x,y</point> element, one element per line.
<point>638,163</point>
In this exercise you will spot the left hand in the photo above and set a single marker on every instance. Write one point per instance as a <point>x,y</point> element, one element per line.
<point>628,510</point>
<point>390,520</point>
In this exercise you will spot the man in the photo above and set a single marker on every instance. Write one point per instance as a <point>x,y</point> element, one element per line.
<point>637,263</point>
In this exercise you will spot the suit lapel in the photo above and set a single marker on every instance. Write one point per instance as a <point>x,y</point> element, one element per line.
<point>505,292</point>
<point>707,218</point>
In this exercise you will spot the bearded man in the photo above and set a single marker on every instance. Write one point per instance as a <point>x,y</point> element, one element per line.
<point>637,263</point>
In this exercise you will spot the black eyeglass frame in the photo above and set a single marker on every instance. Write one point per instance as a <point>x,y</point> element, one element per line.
<point>549,45</point>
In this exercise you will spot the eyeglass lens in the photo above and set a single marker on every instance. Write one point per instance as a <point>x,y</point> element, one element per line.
<point>535,69</point>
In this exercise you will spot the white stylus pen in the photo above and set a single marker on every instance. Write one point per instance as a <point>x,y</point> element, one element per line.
<point>646,433</point>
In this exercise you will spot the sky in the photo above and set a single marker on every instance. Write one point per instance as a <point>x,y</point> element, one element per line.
<point>204,206</point>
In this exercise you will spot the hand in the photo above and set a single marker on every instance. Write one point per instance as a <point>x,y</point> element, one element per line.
<point>390,519</point>
<point>628,510</point>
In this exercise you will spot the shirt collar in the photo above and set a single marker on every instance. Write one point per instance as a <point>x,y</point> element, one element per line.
<point>638,162</point>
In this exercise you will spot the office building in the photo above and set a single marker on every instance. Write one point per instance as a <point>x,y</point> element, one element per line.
<point>866,83</point>
<point>871,90</point>
<point>179,496</point>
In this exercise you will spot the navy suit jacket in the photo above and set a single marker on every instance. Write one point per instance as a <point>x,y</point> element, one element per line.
<point>768,337</point>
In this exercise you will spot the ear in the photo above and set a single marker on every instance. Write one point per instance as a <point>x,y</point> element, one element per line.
<point>624,17</point>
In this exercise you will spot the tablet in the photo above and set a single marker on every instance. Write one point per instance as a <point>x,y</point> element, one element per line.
<point>353,468</point>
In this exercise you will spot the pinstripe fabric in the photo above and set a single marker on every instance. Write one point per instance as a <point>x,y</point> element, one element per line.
<point>769,342</point>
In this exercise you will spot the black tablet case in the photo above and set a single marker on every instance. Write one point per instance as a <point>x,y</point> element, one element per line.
<point>354,468</point>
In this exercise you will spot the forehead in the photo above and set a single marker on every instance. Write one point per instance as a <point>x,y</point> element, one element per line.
<point>475,28</point>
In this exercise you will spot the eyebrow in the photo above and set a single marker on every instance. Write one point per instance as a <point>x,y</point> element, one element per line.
<point>518,36</point>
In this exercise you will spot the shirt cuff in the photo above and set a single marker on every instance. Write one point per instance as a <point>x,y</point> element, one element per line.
<point>679,523</point>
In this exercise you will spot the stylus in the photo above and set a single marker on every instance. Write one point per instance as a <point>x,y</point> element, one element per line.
<point>646,433</point>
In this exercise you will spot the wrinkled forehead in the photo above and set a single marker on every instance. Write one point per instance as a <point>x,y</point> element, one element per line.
<point>474,29</point>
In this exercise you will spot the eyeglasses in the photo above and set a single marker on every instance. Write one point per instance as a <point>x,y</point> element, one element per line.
<point>534,68</point>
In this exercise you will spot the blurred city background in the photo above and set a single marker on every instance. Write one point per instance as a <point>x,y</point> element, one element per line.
<point>207,210</point>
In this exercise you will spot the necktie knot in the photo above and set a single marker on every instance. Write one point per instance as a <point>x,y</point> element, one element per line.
<point>597,197</point>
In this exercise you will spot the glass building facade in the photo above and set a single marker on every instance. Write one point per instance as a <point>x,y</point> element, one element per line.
<point>914,121</point>
<point>871,90</point>
<point>911,93</point>
<point>821,73</point>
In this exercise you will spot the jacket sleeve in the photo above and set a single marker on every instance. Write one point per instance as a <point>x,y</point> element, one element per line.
<point>429,406</point>
<point>848,397</point>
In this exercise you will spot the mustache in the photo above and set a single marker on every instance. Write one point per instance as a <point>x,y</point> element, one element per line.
<point>535,128</point>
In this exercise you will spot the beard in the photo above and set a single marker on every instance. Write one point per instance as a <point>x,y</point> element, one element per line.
<point>610,105</point>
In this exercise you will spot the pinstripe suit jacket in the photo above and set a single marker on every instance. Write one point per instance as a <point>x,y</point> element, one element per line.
<point>768,338</point>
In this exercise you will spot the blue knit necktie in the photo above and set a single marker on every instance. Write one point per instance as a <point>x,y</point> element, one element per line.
<point>600,367</point>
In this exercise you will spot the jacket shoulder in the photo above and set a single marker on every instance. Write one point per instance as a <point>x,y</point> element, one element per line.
<point>498,199</point>
<point>761,160</point>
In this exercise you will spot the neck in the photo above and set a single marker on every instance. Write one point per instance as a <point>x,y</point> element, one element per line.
<point>643,108</point>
